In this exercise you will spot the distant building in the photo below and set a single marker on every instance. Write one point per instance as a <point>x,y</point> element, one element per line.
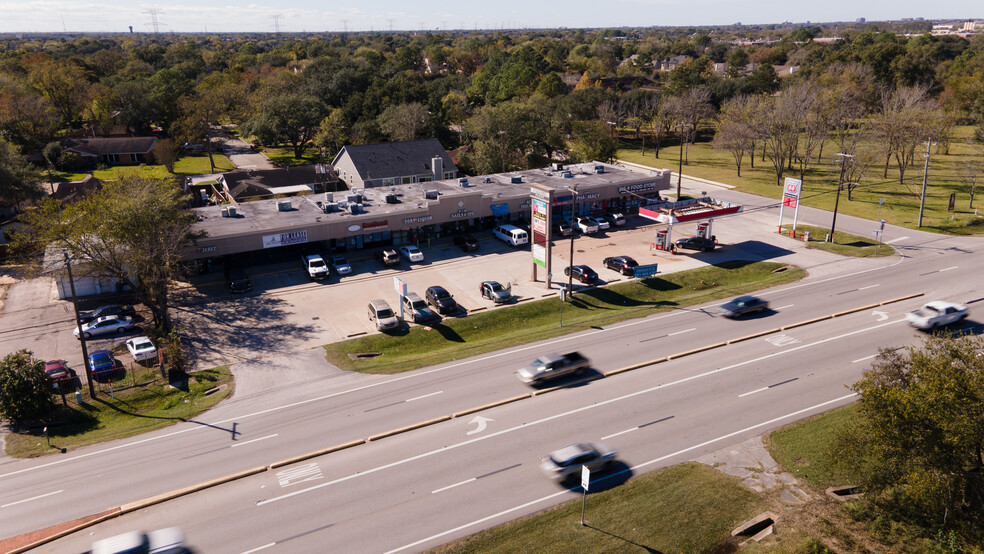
<point>860,20</point>
<point>393,163</point>
<point>245,185</point>
<point>112,150</point>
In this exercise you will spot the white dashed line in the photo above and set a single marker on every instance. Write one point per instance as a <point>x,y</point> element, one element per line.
<point>682,332</point>
<point>753,392</point>
<point>948,268</point>
<point>619,433</point>
<point>784,307</point>
<point>424,396</point>
<point>863,359</point>
<point>254,440</point>
<point>30,499</point>
<point>466,481</point>
<point>893,241</point>
<point>868,287</point>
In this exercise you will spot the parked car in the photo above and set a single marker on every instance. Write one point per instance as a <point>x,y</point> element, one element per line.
<point>193,147</point>
<point>141,348</point>
<point>103,311</point>
<point>57,370</point>
<point>495,292</point>
<point>104,366</point>
<point>563,228</point>
<point>340,265</point>
<point>417,308</point>
<point>614,218</point>
<point>703,244</point>
<point>412,253</point>
<point>105,326</point>
<point>743,305</point>
<point>466,242</point>
<point>621,264</point>
<point>441,299</point>
<point>601,222</point>
<point>936,314</point>
<point>237,280</point>
<point>511,235</point>
<point>382,315</point>
<point>389,257</point>
<point>565,464</point>
<point>582,273</point>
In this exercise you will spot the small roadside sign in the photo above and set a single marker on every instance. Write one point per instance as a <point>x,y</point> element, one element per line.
<point>585,477</point>
<point>643,271</point>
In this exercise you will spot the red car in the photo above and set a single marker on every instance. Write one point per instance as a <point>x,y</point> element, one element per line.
<point>57,369</point>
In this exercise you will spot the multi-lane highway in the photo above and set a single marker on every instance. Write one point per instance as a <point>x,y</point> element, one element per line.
<point>452,478</point>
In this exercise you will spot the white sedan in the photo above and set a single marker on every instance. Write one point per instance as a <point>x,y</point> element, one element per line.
<point>141,348</point>
<point>936,314</point>
<point>412,253</point>
<point>341,265</point>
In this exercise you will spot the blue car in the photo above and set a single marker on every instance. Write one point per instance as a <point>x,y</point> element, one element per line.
<point>103,364</point>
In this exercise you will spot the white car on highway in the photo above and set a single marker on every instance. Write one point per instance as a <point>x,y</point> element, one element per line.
<point>141,348</point>
<point>936,314</point>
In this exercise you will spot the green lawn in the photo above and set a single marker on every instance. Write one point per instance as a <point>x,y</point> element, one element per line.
<point>151,404</point>
<point>187,165</point>
<point>284,157</point>
<point>803,448</point>
<point>844,244</point>
<point>901,205</point>
<point>535,320</point>
<point>685,508</point>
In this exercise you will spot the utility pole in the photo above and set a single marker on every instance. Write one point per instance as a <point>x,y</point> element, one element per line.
<point>680,170</point>
<point>78,324</point>
<point>922,199</point>
<point>570,266</point>
<point>840,185</point>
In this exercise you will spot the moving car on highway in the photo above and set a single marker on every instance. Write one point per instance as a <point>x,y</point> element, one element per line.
<point>743,305</point>
<point>565,464</point>
<point>551,366</point>
<point>936,314</point>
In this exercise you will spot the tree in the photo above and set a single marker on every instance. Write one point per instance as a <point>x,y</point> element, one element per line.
<point>133,229</point>
<point>404,121</point>
<point>199,114</point>
<point>64,84</point>
<point>906,120</point>
<point>25,392</point>
<point>917,440</point>
<point>166,153</point>
<point>592,140</point>
<point>19,181</point>
<point>288,118</point>
<point>735,131</point>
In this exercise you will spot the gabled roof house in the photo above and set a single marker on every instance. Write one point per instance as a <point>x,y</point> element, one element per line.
<point>394,163</point>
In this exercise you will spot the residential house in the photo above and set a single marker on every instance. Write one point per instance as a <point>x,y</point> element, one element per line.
<point>393,163</point>
<point>112,150</point>
<point>246,184</point>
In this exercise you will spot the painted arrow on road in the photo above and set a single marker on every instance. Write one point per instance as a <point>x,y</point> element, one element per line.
<point>481,421</point>
<point>882,316</point>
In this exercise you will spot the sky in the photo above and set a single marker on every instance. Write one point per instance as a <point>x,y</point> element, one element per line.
<point>181,16</point>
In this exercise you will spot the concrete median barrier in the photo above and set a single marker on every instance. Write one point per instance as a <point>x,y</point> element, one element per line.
<point>316,453</point>
<point>390,433</point>
<point>492,405</point>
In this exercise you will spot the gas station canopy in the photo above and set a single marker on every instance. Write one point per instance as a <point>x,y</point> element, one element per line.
<point>689,210</point>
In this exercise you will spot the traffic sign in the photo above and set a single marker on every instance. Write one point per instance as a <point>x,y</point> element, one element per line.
<point>585,477</point>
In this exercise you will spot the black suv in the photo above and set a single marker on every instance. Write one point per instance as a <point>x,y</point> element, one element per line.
<point>466,242</point>
<point>582,273</point>
<point>621,264</point>
<point>697,243</point>
<point>237,280</point>
<point>441,299</point>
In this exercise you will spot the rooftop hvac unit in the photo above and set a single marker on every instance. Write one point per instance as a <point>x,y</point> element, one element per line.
<point>330,207</point>
<point>352,198</point>
<point>355,208</point>
<point>431,194</point>
<point>329,197</point>
<point>233,211</point>
<point>568,175</point>
<point>599,169</point>
<point>284,206</point>
<point>392,199</point>
<point>463,182</point>
<point>516,180</point>
<point>557,167</point>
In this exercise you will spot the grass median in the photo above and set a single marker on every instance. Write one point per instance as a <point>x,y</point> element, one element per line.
<point>150,404</point>
<point>844,244</point>
<point>455,338</point>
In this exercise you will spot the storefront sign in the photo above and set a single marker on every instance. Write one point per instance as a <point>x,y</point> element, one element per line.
<point>641,187</point>
<point>285,239</point>
<point>561,200</point>
<point>589,196</point>
<point>525,205</point>
<point>207,249</point>
<point>376,224</point>
<point>539,255</point>
<point>420,219</point>
<point>538,193</point>
<point>354,228</point>
<point>461,214</point>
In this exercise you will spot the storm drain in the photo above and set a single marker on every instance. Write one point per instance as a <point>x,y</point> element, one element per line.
<point>756,528</point>
<point>844,493</point>
<point>363,355</point>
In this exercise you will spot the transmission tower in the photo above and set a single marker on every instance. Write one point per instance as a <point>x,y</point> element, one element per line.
<point>276,23</point>
<point>154,24</point>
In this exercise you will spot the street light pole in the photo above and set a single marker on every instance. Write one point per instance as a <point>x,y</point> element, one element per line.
<point>570,267</point>
<point>840,185</point>
<point>680,170</point>
<point>78,324</point>
<point>922,199</point>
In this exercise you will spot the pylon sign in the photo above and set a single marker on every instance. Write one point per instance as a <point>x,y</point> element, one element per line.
<point>790,197</point>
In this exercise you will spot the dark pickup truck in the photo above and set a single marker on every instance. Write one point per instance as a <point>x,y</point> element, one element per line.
<point>550,366</point>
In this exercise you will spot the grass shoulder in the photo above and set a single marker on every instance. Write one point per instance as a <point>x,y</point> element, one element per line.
<point>149,405</point>
<point>455,338</point>
<point>844,244</point>
<point>656,512</point>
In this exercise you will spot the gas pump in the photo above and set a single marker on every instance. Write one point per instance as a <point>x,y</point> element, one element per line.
<point>662,238</point>
<point>704,229</point>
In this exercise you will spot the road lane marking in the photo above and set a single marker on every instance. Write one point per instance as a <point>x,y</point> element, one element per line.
<point>300,474</point>
<point>254,440</point>
<point>893,241</point>
<point>424,396</point>
<point>868,287</point>
<point>571,412</point>
<point>606,437</point>
<point>650,462</point>
<point>30,499</point>
<point>465,482</point>
<point>863,359</point>
<point>949,268</point>
<point>781,340</point>
<point>682,332</point>
<point>258,548</point>
<point>752,392</point>
<point>784,307</point>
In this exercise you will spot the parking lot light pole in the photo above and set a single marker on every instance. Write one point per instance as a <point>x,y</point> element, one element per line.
<point>78,325</point>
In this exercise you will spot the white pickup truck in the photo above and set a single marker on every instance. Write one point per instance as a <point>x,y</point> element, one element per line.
<point>315,266</point>
<point>936,314</point>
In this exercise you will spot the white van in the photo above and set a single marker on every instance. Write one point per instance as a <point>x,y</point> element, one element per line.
<point>511,234</point>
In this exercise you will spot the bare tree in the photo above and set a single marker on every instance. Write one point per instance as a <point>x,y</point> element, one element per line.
<point>404,121</point>
<point>905,121</point>
<point>783,121</point>
<point>736,132</point>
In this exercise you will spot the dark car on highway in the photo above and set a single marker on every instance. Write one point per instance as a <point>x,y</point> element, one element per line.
<point>621,264</point>
<point>743,305</point>
<point>441,299</point>
<point>697,243</point>
<point>582,273</point>
<point>466,242</point>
